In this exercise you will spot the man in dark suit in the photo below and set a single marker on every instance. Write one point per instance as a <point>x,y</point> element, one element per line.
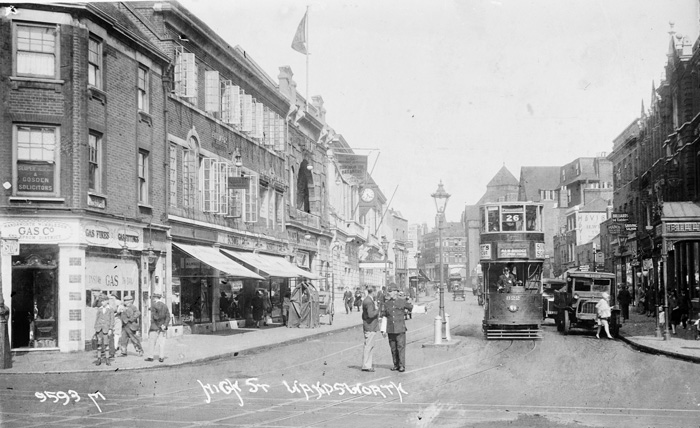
<point>104,328</point>
<point>394,310</point>
<point>370,326</point>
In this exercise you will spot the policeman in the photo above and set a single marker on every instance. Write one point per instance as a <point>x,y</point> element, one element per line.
<point>394,310</point>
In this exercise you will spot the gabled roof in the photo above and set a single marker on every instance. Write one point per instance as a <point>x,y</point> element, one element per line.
<point>503,178</point>
<point>536,178</point>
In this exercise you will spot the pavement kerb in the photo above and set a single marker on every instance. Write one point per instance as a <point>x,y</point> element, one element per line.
<point>656,351</point>
<point>246,351</point>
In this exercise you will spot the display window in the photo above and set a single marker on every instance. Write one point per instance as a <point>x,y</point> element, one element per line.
<point>192,289</point>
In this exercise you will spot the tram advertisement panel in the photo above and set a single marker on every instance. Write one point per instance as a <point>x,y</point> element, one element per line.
<point>512,250</point>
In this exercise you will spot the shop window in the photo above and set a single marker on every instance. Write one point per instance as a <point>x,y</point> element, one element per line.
<point>36,51</point>
<point>36,171</point>
<point>191,290</point>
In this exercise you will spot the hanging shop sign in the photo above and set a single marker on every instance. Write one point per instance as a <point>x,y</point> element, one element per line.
<point>302,259</point>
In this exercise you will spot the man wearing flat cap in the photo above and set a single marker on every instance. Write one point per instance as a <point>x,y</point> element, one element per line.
<point>160,318</point>
<point>394,310</point>
<point>130,317</point>
<point>104,328</point>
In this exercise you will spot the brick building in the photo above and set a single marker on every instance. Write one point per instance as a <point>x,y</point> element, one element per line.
<point>82,152</point>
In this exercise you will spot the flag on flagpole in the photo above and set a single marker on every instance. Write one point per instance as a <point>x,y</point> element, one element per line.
<point>299,42</point>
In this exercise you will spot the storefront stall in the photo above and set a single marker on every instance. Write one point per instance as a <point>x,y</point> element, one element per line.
<point>198,273</point>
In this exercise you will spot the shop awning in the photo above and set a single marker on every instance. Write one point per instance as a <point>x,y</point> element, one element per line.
<point>376,265</point>
<point>271,265</point>
<point>215,259</point>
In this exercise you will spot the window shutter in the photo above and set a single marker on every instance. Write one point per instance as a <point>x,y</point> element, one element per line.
<point>281,131</point>
<point>174,182</point>
<point>247,113</point>
<point>208,184</point>
<point>222,191</point>
<point>190,75</point>
<point>259,122</point>
<point>263,202</point>
<point>212,93</point>
<point>231,104</point>
<point>251,200</point>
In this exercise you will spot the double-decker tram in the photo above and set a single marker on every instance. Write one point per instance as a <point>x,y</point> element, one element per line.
<point>512,238</point>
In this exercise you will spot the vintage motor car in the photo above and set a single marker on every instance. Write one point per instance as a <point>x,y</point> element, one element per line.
<point>549,287</point>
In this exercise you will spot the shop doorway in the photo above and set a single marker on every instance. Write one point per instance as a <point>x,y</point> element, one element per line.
<point>33,302</point>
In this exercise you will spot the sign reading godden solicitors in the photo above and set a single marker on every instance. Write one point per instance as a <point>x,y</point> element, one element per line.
<point>35,177</point>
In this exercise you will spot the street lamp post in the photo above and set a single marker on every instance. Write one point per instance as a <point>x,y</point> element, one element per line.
<point>385,247</point>
<point>441,197</point>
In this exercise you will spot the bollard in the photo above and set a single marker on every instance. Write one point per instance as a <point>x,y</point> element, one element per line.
<point>438,330</point>
<point>5,355</point>
<point>447,328</point>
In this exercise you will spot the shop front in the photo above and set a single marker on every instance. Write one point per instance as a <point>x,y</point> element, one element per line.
<point>281,277</point>
<point>199,274</point>
<point>680,251</point>
<point>61,266</point>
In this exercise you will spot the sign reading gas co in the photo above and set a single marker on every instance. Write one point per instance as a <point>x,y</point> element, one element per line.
<point>40,231</point>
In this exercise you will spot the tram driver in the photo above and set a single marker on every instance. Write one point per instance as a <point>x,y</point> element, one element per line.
<point>506,281</point>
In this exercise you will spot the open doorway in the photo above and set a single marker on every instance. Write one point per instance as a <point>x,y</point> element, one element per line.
<point>34,306</point>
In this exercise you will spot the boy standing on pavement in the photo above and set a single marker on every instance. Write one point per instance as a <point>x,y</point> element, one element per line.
<point>160,317</point>
<point>104,328</point>
<point>130,316</point>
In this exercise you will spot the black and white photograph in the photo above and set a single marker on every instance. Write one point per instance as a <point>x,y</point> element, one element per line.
<point>348,213</point>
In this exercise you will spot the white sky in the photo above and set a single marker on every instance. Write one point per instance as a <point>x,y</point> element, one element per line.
<point>453,90</point>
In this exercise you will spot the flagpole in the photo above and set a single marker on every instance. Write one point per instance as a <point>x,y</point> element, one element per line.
<point>307,57</point>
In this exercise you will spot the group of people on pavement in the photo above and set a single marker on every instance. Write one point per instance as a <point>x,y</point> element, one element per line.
<point>120,322</point>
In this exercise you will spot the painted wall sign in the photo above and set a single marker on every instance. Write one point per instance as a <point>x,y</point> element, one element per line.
<point>97,234</point>
<point>103,273</point>
<point>682,227</point>
<point>38,231</point>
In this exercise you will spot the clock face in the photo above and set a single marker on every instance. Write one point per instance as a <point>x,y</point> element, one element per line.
<point>367,195</point>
